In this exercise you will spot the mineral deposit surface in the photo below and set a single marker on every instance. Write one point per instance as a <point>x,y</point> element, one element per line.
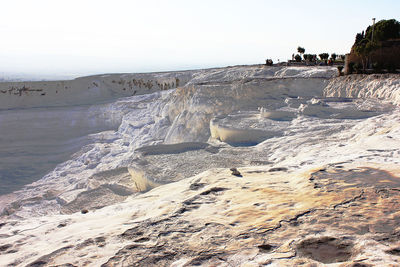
<point>238,166</point>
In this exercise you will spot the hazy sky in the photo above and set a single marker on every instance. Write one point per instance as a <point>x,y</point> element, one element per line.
<point>95,36</point>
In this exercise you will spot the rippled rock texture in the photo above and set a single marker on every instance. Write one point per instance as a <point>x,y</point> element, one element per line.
<point>340,213</point>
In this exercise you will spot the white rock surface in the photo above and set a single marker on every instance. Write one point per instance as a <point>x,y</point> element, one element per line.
<point>280,126</point>
<point>380,86</point>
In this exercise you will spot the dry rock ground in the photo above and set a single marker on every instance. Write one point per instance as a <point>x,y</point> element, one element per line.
<point>338,216</point>
<point>343,214</point>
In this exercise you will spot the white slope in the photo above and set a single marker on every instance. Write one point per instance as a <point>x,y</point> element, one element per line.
<point>176,116</point>
<point>298,118</point>
<point>86,90</point>
<point>184,115</point>
<point>381,86</point>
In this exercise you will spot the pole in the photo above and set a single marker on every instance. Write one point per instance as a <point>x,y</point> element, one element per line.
<point>373,26</point>
<point>372,40</point>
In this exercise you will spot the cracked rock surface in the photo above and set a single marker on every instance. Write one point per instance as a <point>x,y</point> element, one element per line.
<point>214,218</point>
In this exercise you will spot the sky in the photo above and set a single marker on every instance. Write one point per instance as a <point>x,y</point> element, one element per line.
<point>80,37</point>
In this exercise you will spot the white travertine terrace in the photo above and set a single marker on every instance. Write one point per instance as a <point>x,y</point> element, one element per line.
<point>318,157</point>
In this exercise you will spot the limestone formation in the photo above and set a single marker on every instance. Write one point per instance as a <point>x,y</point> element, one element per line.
<point>203,176</point>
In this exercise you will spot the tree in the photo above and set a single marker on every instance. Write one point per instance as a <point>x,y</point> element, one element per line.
<point>363,50</point>
<point>297,58</point>
<point>384,30</point>
<point>314,57</point>
<point>333,56</point>
<point>310,57</point>
<point>359,37</point>
<point>365,44</point>
<point>324,56</point>
<point>301,50</point>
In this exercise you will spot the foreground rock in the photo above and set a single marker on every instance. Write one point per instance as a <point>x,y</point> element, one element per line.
<point>342,213</point>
